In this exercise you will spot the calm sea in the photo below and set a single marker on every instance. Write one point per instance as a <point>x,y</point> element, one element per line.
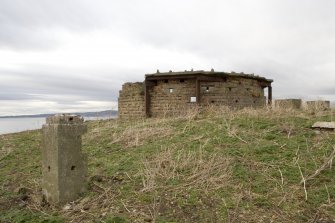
<point>11,125</point>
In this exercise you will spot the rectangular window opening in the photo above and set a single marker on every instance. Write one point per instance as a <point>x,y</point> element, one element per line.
<point>193,99</point>
<point>207,88</point>
<point>171,90</point>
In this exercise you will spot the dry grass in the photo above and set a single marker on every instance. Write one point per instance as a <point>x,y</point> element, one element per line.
<point>210,164</point>
<point>133,137</point>
<point>191,169</point>
<point>5,151</point>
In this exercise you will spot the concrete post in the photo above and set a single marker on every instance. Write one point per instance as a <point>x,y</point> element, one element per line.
<point>197,90</point>
<point>270,95</point>
<point>64,166</point>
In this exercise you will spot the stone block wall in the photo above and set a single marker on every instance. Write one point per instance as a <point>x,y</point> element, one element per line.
<point>171,97</point>
<point>318,105</point>
<point>168,97</point>
<point>288,103</point>
<point>236,93</point>
<point>131,101</point>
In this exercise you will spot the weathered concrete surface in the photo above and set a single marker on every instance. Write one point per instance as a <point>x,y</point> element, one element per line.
<point>324,125</point>
<point>318,105</point>
<point>64,166</point>
<point>288,103</point>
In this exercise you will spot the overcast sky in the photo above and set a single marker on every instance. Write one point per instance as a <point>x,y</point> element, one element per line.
<point>66,56</point>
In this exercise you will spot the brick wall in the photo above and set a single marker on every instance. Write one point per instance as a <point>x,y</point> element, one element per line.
<point>131,101</point>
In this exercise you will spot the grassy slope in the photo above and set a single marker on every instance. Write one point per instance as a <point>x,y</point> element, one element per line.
<point>219,166</point>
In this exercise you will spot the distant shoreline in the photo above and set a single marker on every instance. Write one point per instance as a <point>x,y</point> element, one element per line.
<point>16,124</point>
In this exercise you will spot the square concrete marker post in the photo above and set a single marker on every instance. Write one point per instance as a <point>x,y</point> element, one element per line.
<point>64,166</point>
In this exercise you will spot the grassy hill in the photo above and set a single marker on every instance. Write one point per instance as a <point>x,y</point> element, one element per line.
<point>214,166</point>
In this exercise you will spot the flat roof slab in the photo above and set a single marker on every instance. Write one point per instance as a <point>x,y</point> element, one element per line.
<point>324,125</point>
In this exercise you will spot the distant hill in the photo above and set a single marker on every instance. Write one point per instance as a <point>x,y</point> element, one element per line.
<point>107,113</point>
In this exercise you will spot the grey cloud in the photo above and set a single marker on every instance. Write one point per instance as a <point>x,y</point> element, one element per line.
<point>251,31</point>
<point>327,90</point>
<point>60,87</point>
<point>212,28</point>
<point>31,24</point>
<point>9,94</point>
<point>289,41</point>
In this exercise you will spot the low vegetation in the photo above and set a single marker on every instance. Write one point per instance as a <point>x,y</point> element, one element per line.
<point>216,165</point>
